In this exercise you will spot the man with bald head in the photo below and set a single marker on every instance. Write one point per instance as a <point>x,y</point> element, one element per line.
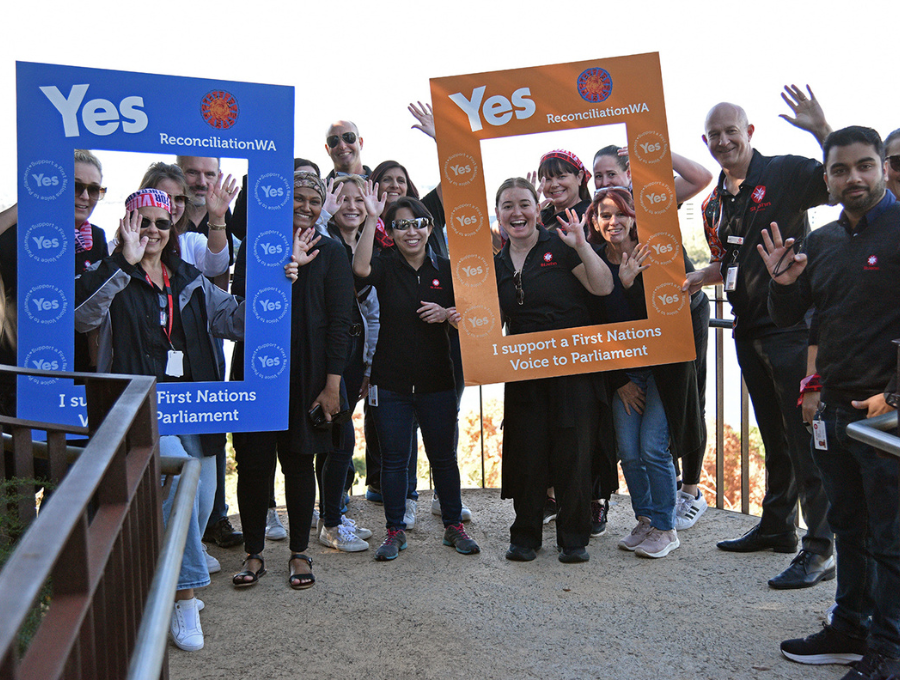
<point>343,144</point>
<point>753,191</point>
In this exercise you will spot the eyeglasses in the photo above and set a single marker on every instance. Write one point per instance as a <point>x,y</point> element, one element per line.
<point>95,192</point>
<point>161,224</point>
<point>333,140</point>
<point>417,222</point>
<point>520,292</point>
<point>894,162</point>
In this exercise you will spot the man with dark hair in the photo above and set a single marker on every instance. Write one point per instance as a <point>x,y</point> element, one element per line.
<point>846,270</point>
<point>754,190</point>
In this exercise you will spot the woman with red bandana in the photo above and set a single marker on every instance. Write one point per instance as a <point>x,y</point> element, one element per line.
<point>563,182</point>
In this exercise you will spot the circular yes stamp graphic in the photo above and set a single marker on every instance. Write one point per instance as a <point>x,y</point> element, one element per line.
<point>271,248</point>
<point>478,321</point>
<point>270,305</point>
<point>656,198</point>
<point>45,180</point>
<point>272,191</point>
<point>460,169</point>
<point>472,270</point>
<point>268,361</point>
<point>668,299</point>
<point>663,248</point>
<point>45,358</point>
<point>649,147</point>
<point>45,304</point>
<point>466,219</point>
<point>45,242</point>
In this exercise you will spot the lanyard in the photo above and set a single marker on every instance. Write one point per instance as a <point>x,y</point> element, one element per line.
<point>170,309</point>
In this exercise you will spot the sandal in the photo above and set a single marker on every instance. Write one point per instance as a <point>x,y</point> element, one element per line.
<point>301,581</point>
<point>239,579</point>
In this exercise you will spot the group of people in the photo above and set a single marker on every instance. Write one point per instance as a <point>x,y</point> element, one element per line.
<point>373,317</point>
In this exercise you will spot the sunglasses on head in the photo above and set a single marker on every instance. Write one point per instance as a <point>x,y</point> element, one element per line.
<point>95,192</point>
<point>333,140</point>
<point>417,222</point>
<point>161,224</point>
<point>894,162</point>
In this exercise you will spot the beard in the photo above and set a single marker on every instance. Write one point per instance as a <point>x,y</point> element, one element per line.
<point>866,201</point>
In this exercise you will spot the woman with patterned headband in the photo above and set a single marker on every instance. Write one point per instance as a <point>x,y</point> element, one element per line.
<point>563,182</point>
<point>321,304</point>
<point>153,311</point>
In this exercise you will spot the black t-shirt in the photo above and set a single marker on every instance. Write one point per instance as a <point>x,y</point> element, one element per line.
<point>411,355</point>
<point>549,214</point>
<point>553,297</point>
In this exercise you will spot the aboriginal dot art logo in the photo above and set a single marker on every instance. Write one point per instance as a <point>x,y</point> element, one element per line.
<point>595,85</point>
<point>219,109</point>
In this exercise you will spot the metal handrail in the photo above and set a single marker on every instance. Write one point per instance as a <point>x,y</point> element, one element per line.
<point>874,432</point>
<point>150,646</point>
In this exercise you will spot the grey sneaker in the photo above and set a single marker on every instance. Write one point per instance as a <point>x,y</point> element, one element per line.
<point>637,535</point>
<point>456,536</point>
<point>688,510</point>
<point>393,543</point>
<point>465,515</point>
<point>342,538</point>
<point>658,543</point>
<point>409,516</point>
<point>275,530</point>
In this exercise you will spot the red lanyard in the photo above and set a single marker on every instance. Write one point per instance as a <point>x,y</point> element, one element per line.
<point>170,311</point>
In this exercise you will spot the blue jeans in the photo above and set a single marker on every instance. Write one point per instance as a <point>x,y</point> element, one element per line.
<point>194,573</point>
<point>862,491</point>
<point>395,417</point>
<point>643,446</point>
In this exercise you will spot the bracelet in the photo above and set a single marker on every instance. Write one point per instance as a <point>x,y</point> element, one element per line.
<point>810,383</point>
<point>216,227</point>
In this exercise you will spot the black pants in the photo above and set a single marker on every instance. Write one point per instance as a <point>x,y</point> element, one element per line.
<point>255,455</point>
<point>773,367</point>
<point>692,464</point>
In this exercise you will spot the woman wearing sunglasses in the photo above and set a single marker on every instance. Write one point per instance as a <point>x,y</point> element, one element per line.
<point>412,373</point>
<point>155,314</point>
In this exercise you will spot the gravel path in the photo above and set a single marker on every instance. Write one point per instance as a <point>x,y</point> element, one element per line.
<point>699,613</point>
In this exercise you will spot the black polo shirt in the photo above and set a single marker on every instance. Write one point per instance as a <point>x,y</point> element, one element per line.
<point>554,298</point>
<point>411,356</point>
<point>777,189</point>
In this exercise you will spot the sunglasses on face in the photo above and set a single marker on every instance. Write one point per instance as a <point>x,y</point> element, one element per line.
<point>417,222</point>
<point>333,140</point>
<point>894,162</point>
<point>95,192</point>
<point>161,224</point>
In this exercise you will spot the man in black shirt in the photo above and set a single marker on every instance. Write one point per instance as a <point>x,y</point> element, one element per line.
<point>847,271</point>
<point>754,190</point>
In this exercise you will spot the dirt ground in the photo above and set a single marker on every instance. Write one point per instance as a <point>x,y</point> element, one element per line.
<point>698,614</point>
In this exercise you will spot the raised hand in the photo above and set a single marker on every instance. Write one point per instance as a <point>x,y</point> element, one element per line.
<point>784,265</point>
<point>333,199</point>
<point>220,197</point>
<point>303,252</point>
<point>133,244</point>
<point>571,229</point>
<point>425,116</point>
<point>808,114</point>
<point>633,265</point>
<point>374,205</point>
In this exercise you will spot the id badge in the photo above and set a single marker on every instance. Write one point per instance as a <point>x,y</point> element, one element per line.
<point>731,275</point>
<point>175,363</point>
<point>819,439</point>
<point>373,395</point>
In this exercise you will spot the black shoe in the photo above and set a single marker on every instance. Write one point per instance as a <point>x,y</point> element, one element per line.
<point>826,646</point>
<point>573,555</point>
<point>753,540</point>
<point>599,517</point>
<point>874,666</point>
<point>551,509</point>
<point>519,553</point>
<point>223,534</point>
<point>806,570</point>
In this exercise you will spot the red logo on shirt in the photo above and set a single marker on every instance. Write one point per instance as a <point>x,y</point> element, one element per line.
<point>871,264</point>
<point>435,283</point>
<point>758,194</point>
<point>548,257</point>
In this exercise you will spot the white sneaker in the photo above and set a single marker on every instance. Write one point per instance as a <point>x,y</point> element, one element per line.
<point>315,519</point>
<point>185,627</point>
<point>212,564</point>
<point>409,517</point>
<point>465,515</point>
<point>688,510</point>
<point>341,538</point>
<point>364,534</point>
<point>275,530</point>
